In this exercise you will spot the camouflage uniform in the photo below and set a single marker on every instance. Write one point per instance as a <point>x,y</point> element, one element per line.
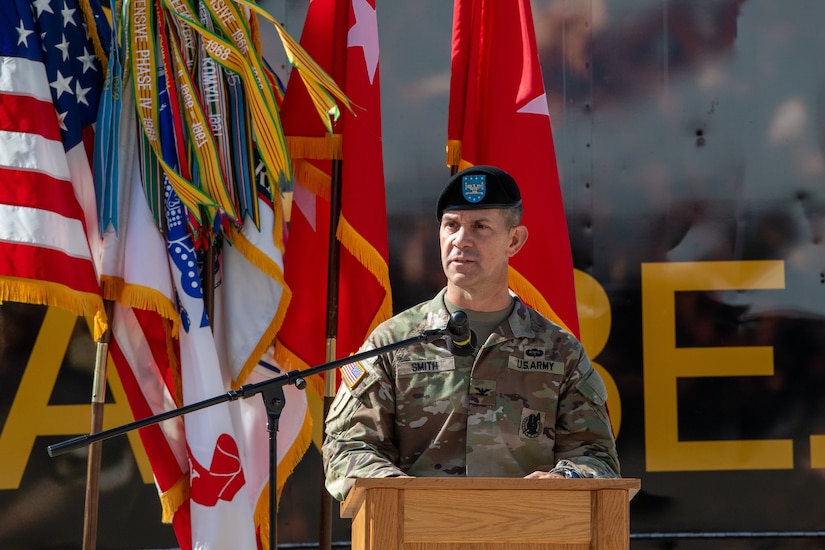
<point>528,400</point>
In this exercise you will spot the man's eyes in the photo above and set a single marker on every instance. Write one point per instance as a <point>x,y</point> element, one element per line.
<point>456,226</point>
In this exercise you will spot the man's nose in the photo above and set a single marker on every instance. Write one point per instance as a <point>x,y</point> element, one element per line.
<point>462,238</point>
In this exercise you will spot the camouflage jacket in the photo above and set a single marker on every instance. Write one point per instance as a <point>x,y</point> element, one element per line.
<point>528,400</point>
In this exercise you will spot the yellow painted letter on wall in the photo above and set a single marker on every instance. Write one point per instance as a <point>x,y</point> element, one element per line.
<point>664,363</point>
<point>32,416</point>
<point>818,451</point>
<point>594,329</point>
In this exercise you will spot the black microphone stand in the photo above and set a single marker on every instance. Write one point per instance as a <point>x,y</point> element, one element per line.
<point>272,391</point>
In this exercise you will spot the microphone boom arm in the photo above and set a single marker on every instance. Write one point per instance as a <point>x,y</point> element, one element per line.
<point>248,390</point>
<point>272,391</point>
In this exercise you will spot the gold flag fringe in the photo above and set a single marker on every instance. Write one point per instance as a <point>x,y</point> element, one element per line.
<point>263,344</point>
<point>140,297</point>
<point>174,366</point>
<point>453,152</point>
<point>91,27</point>
<point>145,298</point>
<point>111,287</point>
<point>316,148</point>
<point>257,258</point>
<point>530,294</point>
<point>174,497</point>
<point>365,253</point>
<point>100,324</point>
<point>454,155</point>
<point>369,257</point>
<point>312,178</point>
<point>265,264</point>
<point>13,289</point>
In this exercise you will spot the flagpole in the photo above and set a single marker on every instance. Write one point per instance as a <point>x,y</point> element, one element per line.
<point>334,256</point>
<point>90,511</point>
<point>339,63</point>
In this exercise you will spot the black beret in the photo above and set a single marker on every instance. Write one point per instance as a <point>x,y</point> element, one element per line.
<point>479,187</point>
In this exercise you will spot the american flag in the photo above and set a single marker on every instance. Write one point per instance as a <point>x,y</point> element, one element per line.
<point>342,36</point>
<point>50,82</point>
<point>352,373</point>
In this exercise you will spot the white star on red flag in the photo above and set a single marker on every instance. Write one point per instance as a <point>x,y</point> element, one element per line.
<point>364,33</point>
<point>536,106</point>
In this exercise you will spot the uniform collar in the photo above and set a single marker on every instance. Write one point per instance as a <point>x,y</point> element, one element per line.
<point>518,325</point>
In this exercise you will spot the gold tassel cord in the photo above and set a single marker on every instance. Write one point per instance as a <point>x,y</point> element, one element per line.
<point>91,25</point>
<point>321,87</point>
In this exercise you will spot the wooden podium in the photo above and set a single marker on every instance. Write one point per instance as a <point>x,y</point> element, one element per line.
<point>490,513</point>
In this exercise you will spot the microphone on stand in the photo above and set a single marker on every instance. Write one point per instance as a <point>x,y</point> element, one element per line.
<point>460,339</point>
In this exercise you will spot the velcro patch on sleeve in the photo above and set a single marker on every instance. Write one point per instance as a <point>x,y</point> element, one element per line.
<point>535,365</point>
<point>592,386</point>
<point>352,373</point>
<point>441,364</point>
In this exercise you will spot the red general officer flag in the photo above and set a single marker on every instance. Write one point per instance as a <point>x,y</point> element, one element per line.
<point>499,116</point>
<point>342,36</point>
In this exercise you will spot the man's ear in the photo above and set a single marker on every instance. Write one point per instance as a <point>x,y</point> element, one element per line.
<point>518,237</point>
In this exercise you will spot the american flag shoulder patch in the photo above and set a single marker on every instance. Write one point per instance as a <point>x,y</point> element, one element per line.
<point>352,373</point>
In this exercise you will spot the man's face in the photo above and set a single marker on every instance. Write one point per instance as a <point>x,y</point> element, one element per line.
<point>476,246</point>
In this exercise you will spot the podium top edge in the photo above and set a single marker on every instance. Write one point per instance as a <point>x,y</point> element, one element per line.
<point>362,485</point>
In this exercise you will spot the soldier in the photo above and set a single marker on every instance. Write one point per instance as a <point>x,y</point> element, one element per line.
<point>525,403</point>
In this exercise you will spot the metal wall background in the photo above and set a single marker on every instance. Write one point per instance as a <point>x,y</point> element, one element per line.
<point>686,131</point>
